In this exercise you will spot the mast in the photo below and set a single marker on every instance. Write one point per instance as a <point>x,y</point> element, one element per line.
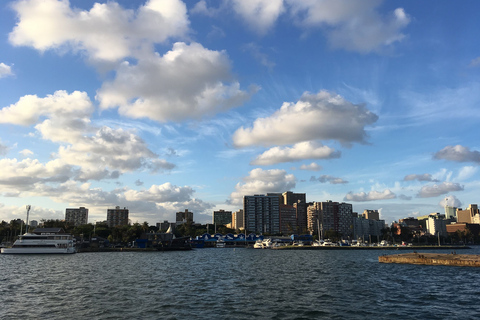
<point>26,224</point>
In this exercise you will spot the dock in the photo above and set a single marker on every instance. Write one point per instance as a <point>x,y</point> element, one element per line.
<point>433,259</point>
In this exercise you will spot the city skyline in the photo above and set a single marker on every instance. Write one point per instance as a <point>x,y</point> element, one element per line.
<point>162,106</point>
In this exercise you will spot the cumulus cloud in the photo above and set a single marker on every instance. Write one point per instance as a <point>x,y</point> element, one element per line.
<point>30,108</point>
<point>260,15</point>
<point>327,178</point>
<point>352,25</point>
<point>96,153</point>
<point>24,175</point>
<point>161,193</point>
<point>439,189</point>
<point>107,32</point>
<point>404,197</point>
<point>419,177</point>
<point>371,196</point>
<point>187,82</point>
<point>5,70</point>
<point>321,116</point>
<point>300,151</point>
<point>451,201</point>
<point>261,182</point>
<point>458,153</point>
<point>311,167</point>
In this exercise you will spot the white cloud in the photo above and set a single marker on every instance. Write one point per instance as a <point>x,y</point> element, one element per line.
<point>5,70</point>
<point>202,8</point>
<point>466,173</point>
<point>110,149</point>
<point>26,152</point>
<point>327,178</point>
<point>187,82</point>
<point>458,153</point>
<point>352,25</point>
<point>260,15</point>
<point>261,182</point>
<point>321,116</point>
<point>106,32</point>
<point>161,193</point>
<point>24,176</point>
<point>451,201</point>
<point>300,151</point>
<point>30,108</point>
<point>311,167</point>
<point>96,153</point>
<point>371,196</point>
<point>438,189</point>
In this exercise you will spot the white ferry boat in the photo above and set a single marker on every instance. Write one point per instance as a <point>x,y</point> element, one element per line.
<point>42,240</point>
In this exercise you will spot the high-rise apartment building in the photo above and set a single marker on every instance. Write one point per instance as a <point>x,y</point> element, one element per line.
<point>183,216</point>
<point>237,219</point>
<point>333,216</point>
<point>262,213</point>
<point>117,217</point>
<point>299,201</point>
<point>77,216</point>
<point>288,219</point>
<point>222,217</point>
<point>371,214</point>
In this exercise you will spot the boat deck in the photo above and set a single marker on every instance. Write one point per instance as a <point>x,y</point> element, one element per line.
<point>452,259</point>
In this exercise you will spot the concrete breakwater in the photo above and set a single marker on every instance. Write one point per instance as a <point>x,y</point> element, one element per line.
<point>452,259</point>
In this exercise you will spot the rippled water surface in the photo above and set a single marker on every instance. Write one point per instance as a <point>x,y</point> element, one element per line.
<point>233,284</point>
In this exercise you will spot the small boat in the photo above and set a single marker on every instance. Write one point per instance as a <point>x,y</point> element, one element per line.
<point>328,243</point>
<point>41,241</point>
<point>317,243</point>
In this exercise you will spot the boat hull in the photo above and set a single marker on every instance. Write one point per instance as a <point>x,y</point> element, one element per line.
<point>37,250</point>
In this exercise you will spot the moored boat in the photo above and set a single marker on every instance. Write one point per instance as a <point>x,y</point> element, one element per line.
<point>42,241</point>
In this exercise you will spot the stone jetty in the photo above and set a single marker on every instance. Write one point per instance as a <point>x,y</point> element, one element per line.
<point>437,259</point>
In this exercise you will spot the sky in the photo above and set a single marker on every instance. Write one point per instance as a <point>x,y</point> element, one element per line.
<point>162,105</point>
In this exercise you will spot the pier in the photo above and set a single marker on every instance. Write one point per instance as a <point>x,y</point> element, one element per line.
<point>433,259</point>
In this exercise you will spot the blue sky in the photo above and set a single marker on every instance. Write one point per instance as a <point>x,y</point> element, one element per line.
<point>160,106</point>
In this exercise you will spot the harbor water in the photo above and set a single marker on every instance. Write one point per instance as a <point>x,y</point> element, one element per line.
<point>234,284</point>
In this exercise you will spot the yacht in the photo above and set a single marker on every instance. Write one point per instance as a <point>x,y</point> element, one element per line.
<point>42,240</point>
<point>258,245</point>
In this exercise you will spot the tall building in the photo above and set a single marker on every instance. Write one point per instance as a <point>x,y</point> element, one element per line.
<point>367,229</point>
<point>117,217</point>
<point>332,216</point>
<point>371,214</point>
<point>222,217</point>
<point>237,220</point>
<point>183,216</point>
<point>288,219</point>
<point>299,201</point>
<point>262,213</point>
<point>77,216</point>
<point>468,215</point>
<point>436,226</point>
<point>450,212</point>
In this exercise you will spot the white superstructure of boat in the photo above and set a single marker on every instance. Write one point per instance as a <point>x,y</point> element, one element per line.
<point>41,241</point>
